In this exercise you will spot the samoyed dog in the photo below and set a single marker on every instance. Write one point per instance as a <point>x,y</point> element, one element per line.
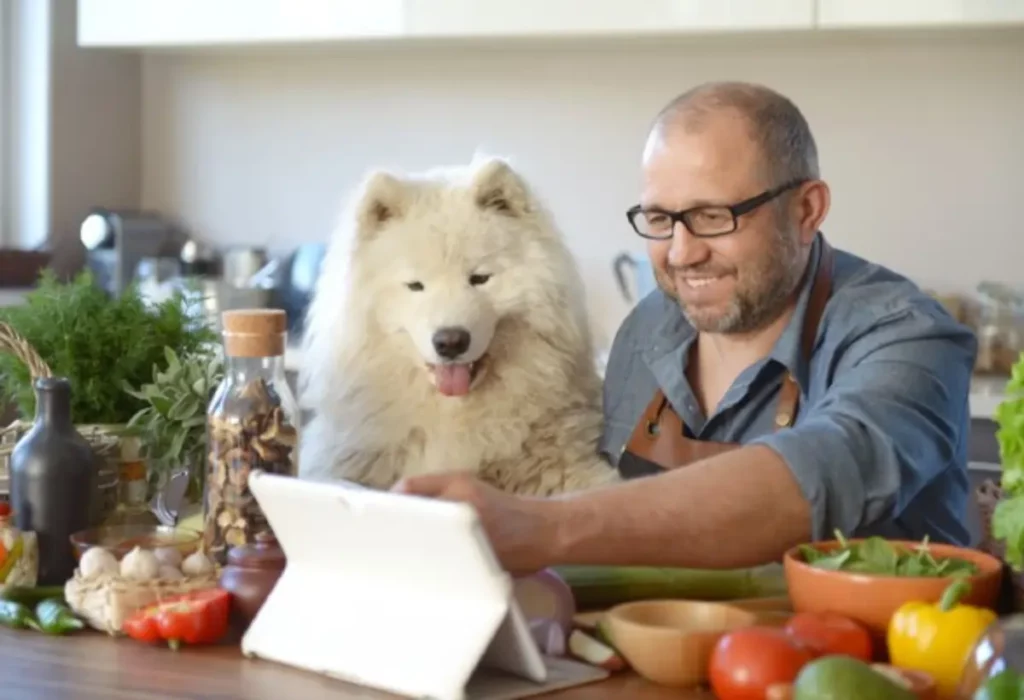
<point>447,332</point>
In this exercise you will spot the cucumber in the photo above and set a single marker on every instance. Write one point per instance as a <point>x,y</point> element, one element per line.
<point>600,587</point>
<point>840,677</point>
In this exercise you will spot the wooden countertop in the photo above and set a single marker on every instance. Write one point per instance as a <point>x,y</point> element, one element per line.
<point>92,666</point>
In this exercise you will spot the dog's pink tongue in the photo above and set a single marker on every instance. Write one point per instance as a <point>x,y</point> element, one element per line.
<point>452,380</point>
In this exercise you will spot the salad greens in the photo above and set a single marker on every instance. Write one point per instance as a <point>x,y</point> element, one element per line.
<point>878,556</point>
<point>1008,517</point>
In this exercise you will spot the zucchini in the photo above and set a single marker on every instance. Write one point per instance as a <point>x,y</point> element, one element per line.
<point>598,587</point>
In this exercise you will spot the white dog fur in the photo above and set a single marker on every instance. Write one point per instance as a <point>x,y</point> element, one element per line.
<point>467,247</point>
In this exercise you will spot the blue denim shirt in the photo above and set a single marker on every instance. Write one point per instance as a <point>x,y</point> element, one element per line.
<point>879,445</point>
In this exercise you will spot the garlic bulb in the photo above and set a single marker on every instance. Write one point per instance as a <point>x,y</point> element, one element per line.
<point>96,562</point>
<point>170,573</point>
<point>140,565</point>
<point>168,556</point>
<point>197,564</point>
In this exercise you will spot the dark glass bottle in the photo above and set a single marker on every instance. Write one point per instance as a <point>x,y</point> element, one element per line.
<point>53,481</point>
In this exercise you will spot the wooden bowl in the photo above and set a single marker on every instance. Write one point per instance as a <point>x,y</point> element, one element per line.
<point>872,599</point>
<point>670,641</point>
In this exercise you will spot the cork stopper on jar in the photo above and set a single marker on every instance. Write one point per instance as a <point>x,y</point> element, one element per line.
<point>254,332</point>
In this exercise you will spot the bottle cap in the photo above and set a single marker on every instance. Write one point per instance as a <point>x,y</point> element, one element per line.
<point>254,332</point>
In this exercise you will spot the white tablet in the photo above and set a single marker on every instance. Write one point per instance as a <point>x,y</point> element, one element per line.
<point>391,591</point>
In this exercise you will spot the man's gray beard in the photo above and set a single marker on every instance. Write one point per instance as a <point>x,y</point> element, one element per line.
<point>755,308</point>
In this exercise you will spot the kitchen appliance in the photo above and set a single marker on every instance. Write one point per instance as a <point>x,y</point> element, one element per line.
<point>116,241</point>
<point>241,263</point>
<point>296,281</point>
<point>640,270</point>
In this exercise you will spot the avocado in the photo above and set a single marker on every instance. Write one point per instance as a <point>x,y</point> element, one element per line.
<point>838,677</point>
<point>1005,685</point>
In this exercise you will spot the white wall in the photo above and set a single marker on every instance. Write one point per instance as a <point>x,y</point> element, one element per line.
<point>95,133</point>
<point>922,138</point>
<point>75,131</point>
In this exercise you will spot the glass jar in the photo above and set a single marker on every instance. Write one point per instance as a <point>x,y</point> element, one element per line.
<point>19,552</point>
<point>252,423</point>
<point>999,650</point>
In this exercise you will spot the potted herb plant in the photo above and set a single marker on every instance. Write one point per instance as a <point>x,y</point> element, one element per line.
<point>100,343</point>
<point>172,425</point>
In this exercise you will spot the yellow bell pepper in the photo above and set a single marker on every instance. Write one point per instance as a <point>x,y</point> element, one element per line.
<point>937,639</point>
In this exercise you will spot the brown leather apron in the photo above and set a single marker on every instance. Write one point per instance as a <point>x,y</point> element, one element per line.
<point>659,439</point>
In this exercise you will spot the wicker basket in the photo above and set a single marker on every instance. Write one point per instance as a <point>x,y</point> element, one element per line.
<point>112,449</point>
<point>107,601</point>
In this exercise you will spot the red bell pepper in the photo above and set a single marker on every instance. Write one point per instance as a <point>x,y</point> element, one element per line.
<point>200,617</point>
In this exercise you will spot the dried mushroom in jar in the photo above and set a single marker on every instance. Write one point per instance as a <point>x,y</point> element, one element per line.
<point>248,431</point>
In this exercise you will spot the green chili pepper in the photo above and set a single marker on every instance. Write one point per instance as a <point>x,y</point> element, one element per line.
<point>53,617</point>
<point>15,615</point>
<point>31,595</point>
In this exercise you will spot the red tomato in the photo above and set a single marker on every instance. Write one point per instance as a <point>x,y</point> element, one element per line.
<point>831,633</point>
<point>748,661</point>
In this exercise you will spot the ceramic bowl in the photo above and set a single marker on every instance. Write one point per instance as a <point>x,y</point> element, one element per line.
<point>670,641</point>
<point>872,599</point>
<point>121,539</point>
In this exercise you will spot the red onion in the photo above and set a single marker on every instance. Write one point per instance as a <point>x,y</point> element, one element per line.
<point>547,602</point>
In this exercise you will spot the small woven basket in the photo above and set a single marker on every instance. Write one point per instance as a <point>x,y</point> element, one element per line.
<point>106,444</point>
<point>105,602</point>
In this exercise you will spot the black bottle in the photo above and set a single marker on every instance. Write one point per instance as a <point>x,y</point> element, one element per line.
<point>53,481</point>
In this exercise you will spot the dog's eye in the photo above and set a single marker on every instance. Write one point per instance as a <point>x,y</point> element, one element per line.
<point>477,280</point>
<point>415,286</point>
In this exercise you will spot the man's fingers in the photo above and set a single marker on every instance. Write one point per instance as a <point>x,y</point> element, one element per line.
<point>423,485</point>
<point>453,486</point>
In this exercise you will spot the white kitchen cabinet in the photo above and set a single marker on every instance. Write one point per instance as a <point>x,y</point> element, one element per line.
<point>602,17</point>
<point>198,22</point>
<point>838,14</point>
<point>144,23</point>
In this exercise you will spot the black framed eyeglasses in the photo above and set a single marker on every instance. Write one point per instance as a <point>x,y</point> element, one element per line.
<point>706,221</point>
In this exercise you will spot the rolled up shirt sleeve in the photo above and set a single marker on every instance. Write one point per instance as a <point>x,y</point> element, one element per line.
<point>892,419</point>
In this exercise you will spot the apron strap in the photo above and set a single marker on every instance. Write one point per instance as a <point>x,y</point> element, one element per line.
<point>821,290</point>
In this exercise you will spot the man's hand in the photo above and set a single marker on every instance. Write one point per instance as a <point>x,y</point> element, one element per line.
<point>522,531</point>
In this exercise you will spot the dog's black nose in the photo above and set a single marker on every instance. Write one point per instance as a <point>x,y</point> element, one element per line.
<point>451,342</point>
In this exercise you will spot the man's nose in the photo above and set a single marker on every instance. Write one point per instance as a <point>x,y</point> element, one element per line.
<point>685,249</point>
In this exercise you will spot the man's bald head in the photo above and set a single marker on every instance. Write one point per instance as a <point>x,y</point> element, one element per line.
<point>775,124</point>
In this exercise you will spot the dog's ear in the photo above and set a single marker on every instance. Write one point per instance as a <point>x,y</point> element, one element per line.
<point>383,200</point>
<point>499,188</point>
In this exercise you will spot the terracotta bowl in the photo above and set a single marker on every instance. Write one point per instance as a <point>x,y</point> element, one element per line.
<point>670,641</point>
<point>121,539</point>
<point>872,599</point>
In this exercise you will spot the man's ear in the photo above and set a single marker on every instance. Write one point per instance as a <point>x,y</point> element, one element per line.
<point>812,204</point>
<point>384,199</point>
<point>499,188</point>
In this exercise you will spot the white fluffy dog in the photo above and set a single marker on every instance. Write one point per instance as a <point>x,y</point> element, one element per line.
<point>448,333</point>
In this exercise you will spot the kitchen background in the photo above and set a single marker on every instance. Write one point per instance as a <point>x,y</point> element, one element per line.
<point>193,111</point>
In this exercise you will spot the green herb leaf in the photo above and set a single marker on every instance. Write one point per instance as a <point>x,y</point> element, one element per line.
<point>878,556</point>
<point>833,561</point>
<point>1008,526</point>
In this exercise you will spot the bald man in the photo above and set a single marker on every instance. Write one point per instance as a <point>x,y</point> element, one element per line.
<point>773,389</point>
